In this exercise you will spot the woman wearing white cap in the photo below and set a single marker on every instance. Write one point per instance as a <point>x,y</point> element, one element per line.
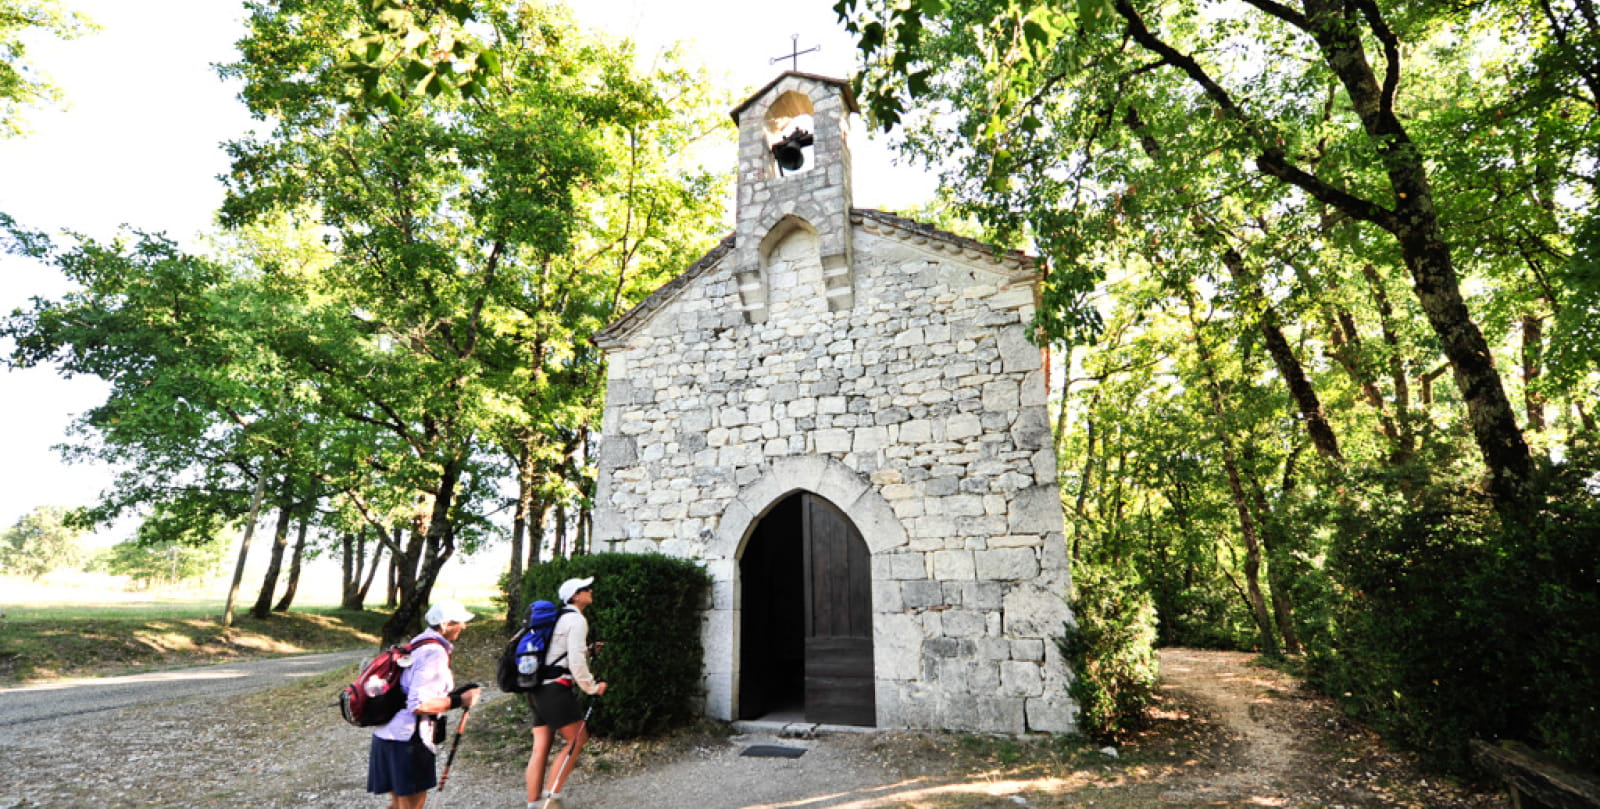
<point>401,760</point>
<point>555,706</point>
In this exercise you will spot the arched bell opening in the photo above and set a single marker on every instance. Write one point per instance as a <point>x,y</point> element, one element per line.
<point>791,131</point>
<point>806,617</point>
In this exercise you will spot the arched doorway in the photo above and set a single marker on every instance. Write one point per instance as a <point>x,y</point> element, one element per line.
<point>806,616</point>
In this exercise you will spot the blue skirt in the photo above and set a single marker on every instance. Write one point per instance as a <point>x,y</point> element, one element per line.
<point>404,768</point>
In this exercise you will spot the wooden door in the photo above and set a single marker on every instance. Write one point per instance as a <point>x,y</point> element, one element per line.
<point>838,612</point>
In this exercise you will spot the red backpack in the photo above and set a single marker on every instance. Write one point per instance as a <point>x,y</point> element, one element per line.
<point>376,696</point>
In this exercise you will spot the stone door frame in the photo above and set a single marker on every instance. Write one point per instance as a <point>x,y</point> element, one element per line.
<point>842,486</point>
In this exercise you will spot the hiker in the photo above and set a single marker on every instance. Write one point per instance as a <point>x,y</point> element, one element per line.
<point>555,705</point>
<point>401,760</point>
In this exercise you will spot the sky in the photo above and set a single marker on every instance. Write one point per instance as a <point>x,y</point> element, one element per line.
<point>139,145</point>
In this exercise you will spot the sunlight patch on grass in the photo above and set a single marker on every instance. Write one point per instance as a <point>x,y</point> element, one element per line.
<point>262,643</point>
<point>164,641</point>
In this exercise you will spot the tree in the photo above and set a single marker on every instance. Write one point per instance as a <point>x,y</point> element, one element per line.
<point>458,223</point>
<point>1300,138</point>
<point>21,85</point>
<point>40,541</point>
<point>170,547</point>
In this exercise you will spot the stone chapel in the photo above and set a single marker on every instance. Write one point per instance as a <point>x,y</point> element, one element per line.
<point>838,412</point>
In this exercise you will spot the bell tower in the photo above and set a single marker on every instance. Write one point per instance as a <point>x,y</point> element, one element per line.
<point>794,172</point>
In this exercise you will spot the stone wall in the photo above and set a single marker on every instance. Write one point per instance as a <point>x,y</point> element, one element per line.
<point>919,411</point>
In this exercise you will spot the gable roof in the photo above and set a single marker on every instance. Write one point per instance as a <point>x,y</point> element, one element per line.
<point>876,222</point>
<point>844,90</point>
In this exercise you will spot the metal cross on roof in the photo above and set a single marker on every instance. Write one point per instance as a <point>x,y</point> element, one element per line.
<point>794,53</point>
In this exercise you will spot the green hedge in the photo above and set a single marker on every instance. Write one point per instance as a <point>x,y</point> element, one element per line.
<point>1462,625</point>
<point>647,610</point>
<point>1110,648</point>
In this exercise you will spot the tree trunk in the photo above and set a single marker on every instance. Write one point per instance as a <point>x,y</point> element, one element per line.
<point>293,584</point>
<point>1405,432</point>
<point>436,542</point>
<point>1532,368</point>
<point>1341,32</point>
<point>1276,555</point>
<point>1414,222</point>
<point>280,543</point>
<point>352,560</point>
<point>396,561</point>
<point>1294,376</point>
<point>244,546</point>
<point>561,551</point>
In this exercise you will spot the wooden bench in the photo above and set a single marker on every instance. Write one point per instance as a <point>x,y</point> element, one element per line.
<point>1536,781</point>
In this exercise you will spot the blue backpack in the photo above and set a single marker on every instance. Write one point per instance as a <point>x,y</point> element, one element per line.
<point>522,664</point>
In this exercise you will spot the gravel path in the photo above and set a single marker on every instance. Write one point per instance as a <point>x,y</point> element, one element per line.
<point>1243,736</point>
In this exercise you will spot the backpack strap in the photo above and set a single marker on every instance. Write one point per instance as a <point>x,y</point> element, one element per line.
<point>551,662</point>
<point>421,642</point>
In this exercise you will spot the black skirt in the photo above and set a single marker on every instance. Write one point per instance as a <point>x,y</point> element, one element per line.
<point>555,705</point>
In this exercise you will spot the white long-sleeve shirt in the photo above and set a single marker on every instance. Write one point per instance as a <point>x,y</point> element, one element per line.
<point>569,646</point>
<point>428,677</point>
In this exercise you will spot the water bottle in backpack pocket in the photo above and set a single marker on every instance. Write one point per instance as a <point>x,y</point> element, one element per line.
<point>522,665</point>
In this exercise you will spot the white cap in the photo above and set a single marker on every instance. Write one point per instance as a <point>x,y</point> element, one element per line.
<point>444,611</point>
<point>570,588</point>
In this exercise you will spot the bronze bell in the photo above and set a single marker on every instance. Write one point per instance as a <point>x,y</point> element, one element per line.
<point>788,152</point>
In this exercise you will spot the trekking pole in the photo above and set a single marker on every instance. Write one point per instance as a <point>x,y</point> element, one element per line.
<point>461,727</point>
<point>566,755</point>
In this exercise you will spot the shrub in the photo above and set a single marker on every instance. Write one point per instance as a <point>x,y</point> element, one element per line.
<point>1111,650</point>
<point>1457,625</point>
<point>648,610</point>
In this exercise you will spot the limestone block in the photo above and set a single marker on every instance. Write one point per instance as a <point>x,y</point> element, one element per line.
<point>1017,355</point>
<point>1031,649</point>
<point>967,624</point>
<point>696,420</point>
<point>909,509</point>
<point>886,695</point>
<point>1034,393</point>
<point>1053,713</point>
<point>1036,510</point>
<point>831,405</point>
<point>1001,395</point>
<point>870,439</point>
<point>1012,298</point>
<point>895,492</point>
<point>1007,564</point>
<point>1044,465</point>
<point>832,440</point>
<point>1031,431</point>
<point>922,594</point>
<point>951,676</point>
<point>901,566</point>
<point>887,596</point>
<point>994,714</point>
<point>1020,679</point>
<point>916,431</point>
<point>719,697</point>
<point>1033,612</point>
<point>962,426</point>
<point>953,566</point>
<point>963,505</point>
<point>897,647</point>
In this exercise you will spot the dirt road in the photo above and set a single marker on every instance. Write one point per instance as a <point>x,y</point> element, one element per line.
<point>1227,733</point>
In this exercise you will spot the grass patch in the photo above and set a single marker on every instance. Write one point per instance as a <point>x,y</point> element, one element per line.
<point>44,643</point>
